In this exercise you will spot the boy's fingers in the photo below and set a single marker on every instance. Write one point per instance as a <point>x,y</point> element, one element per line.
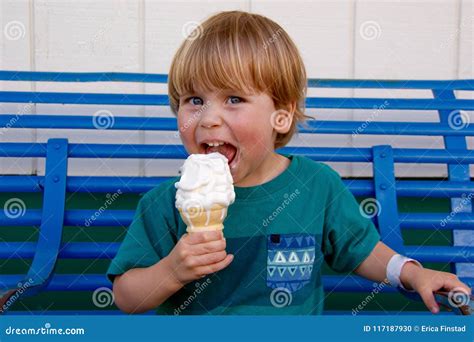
<point>457,285</point>
<point>206,259</point>
<point>203,237</point>
<point>217,266</point>
<point>429,300</point>
<point>208,247</point>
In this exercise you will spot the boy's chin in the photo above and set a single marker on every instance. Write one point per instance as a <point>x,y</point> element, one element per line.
<point>241,180</point>
<point>236,177</point>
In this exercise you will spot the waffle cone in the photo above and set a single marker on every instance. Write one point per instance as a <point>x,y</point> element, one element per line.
<point>204,220</point>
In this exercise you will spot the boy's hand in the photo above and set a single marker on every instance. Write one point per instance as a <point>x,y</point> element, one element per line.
<point>426,281</point>
<point>198,254</point>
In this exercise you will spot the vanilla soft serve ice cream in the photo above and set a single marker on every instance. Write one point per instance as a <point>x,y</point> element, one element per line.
<point>204,191</point>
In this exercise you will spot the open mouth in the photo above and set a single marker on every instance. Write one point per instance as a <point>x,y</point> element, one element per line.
<point>226,149</point>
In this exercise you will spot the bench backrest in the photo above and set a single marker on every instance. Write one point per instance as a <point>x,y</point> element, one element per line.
<point>381,191</point>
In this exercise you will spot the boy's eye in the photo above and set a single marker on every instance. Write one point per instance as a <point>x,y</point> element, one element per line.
<point>235,99</point>
<point>195,101</point>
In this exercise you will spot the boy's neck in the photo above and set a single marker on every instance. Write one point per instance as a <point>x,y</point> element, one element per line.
<point>274,165</point>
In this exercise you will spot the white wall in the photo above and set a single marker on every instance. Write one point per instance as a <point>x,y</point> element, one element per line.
<point>400,39</point>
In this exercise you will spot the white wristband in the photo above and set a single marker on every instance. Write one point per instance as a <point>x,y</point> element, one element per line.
<point>394,268</point>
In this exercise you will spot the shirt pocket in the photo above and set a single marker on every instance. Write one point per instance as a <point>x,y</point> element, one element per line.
<point>290,260</point>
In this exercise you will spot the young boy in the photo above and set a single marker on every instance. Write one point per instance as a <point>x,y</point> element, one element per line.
<point>237,88</point>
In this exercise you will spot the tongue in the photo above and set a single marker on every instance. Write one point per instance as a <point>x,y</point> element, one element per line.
<point>226,150</point>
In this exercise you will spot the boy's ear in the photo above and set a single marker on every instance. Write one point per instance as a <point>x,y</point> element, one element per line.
<point>281,119</point>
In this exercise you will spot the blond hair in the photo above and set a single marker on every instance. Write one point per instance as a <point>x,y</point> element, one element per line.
<point>241,51</point>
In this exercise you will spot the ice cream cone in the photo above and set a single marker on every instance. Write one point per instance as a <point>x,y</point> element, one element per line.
<point>204,192</point>
<point>199,219</point>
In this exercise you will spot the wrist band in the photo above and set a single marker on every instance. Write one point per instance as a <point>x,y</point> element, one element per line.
<point>394,268</point>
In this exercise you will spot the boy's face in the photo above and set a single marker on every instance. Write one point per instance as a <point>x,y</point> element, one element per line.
<point>234,124</point>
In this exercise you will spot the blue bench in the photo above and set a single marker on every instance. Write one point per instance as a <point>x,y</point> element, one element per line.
<point>384,188</point>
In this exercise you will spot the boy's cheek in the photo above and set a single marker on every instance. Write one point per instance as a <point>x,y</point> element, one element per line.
<point>186,134</point>
<point>181,120</point>
<point>188,141</point>
<point>255,136</point>
<point>190,146</point>
<point>255,148</point>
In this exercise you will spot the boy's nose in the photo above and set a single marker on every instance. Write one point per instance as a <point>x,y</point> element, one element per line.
<point>211,117</point>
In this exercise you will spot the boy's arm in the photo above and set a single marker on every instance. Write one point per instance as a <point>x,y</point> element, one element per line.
<point>194,256</point>
<point>423,280</point>
<point>141,289</point>
<point>374,267</point>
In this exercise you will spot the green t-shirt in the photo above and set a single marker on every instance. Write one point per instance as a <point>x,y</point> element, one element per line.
<point>279,232</point>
